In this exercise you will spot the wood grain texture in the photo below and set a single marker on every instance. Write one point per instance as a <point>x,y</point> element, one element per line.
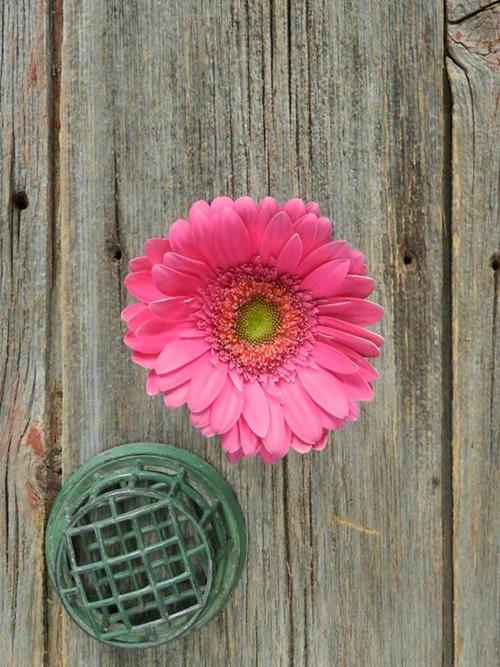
<point>163,104</point>
<point>459,10</point>
<point>474,70</point>
<point>350,551</point>
<point>25,282</point>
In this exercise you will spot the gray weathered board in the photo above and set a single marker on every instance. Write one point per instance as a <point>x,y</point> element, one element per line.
<point>382,550</point>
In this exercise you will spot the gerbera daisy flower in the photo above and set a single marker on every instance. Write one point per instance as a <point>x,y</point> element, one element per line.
<point>255,318</point>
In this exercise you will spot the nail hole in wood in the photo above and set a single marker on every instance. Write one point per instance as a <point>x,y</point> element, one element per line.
<point>113,250</point>
<point>20,200</point>
<point>495,261</point>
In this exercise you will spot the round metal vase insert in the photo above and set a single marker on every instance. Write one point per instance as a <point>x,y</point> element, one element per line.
<point>145,542</point>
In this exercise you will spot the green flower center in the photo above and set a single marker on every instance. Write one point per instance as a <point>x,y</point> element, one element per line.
<point>258,321</point>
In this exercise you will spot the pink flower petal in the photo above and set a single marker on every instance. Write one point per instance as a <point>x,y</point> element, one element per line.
<point>146,344</point>
<point>173,282</point>
<point>131,311</point>
<point>324,230</point>
<point>325,280</point>
<point>266,457</point>
<point>140,318</point>
<point>155,249</point>
<point>313,207</point>
<point>172,309</point>
<point>234,457</point>
<point>357,286</point>
<point>176,397</point>
<point>277,439</point>
<point>237,379</point>
<point>227,408</point>
<point>246,209</point>
<point>299,445</point>
<point>220,203</point>
<point>290,255</point>
<point>145,360</point>
<point>295,209</point>
<point>334,360</point>
<point>141,286</point>
<point>199,210</point>
<point>274,390</point>
<point>358,264</point>
<point>275,236</point>
<point>249,442</point>
<point>325,389</point>
<point>151,384</point>
<point>177,353</point>
<point>230,440</point>
<point>324,253</point>
<point>268,207</point>
<point>359,311</point>
<point>187,331</point>
<point>313,231</point>
<point>301,413</point>
<point>206,385</point>
<point>357,388</point>
<point>139,264</point>
<point>360,345</point>
<point>153,326</point>
<point>354,329</point>
<point>366,370</point>
<point>231,238</point>
<point>321,444</point>
<point>356,311</point>
<point>187,265</point>
<point>201,419</point>
<point>181,238</point>
<point>256,408</point>
<point>180,375</point>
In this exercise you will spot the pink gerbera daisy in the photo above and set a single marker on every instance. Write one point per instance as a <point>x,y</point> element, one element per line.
<point>254,317</point>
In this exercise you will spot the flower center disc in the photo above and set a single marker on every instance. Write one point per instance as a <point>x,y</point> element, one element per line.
<point>258,321</point>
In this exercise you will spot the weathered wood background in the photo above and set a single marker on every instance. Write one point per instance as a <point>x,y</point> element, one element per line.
<point>382,550</point>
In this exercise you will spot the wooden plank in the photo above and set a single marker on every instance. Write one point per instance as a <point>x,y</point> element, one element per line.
<point>25,321</point>
<point>458,10</point>
<point>163,104</point>
<point>474,71</point>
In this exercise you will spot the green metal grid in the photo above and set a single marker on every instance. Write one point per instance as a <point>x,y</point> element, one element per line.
<point>144,543</point>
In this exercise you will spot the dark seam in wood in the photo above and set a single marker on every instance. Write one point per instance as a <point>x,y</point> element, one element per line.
<point>493,370</point>
<point>214,102</point>
<point>11,213</point>
<point>6,496</point>
<point>271,69</point>
<point>309,86</point>
<point>231,142</point>
<point>53,471</point>
<point>263,94</point>
<point>289,55</point>
<point>310,578</point>
<point>289,583</point>
<point>16,560</point>
<point>448,630</point>
<point>249,106</point>
<point>472,14</point>
<point>116,200</point>
<point>3,41</point>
